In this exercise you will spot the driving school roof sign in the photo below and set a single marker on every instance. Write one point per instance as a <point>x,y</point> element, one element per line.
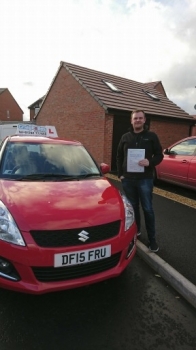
<point>36,130</point>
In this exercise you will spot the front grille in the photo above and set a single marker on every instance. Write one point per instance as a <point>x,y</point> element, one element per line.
<point>52,274</point>
<point>68,238</point>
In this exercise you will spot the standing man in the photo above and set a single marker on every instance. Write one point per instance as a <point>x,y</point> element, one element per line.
<point>138,152</point>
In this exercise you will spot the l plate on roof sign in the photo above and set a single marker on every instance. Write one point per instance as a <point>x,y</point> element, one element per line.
<point>36,130</point>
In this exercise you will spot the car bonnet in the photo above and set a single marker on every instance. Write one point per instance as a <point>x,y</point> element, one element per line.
<point>59,205</point>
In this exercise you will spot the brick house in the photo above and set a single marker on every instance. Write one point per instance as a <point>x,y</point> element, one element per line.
<point>193,133</point>
<point>94,108</point>
<point>9,108</point>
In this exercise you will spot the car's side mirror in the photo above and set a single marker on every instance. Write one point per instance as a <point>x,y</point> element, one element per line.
<point>166,151</point>
<point>104,168</point>
<point>169,152</point>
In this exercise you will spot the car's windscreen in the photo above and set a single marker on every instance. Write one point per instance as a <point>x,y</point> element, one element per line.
<point>22,160</point>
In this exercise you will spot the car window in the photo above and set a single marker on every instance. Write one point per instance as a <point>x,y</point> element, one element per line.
<point>35,158</point>
<point>187,147</point>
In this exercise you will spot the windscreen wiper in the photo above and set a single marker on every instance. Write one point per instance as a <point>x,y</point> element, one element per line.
<point>42,177</point>
<point>83,176</point>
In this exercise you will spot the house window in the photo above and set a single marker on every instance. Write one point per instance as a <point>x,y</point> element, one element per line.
<point>111,86</point>
<point>154,97</point>
<point>36,110</point>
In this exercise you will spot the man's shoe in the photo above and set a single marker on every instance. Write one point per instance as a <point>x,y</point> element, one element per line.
<point>139,233</point>
<point>153,246</point>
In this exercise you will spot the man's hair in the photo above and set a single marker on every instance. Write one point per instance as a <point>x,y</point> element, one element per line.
<point>137,111</point>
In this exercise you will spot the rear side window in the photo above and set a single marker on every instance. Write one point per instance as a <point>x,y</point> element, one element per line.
<point>187,148</point>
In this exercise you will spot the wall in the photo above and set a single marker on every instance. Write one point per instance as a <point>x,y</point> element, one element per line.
<point>77,116</point>
<point>8,103</point>
<point>108,137</point>
<point>193,131</point>
<point>170,131</point>
<point>32,113</point>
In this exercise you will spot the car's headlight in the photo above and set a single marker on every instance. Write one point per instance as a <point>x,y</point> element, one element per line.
<point>9,231</point>
<point>129,212</point>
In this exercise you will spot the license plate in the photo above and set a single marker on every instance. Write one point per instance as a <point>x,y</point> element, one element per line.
<point>82,256</point>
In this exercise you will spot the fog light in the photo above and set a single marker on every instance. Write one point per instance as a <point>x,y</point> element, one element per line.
<point>5,266</point>
<point>7,270</point>
<point>131,247</point>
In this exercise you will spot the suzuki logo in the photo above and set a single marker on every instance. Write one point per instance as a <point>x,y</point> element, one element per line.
<point>83,236</point>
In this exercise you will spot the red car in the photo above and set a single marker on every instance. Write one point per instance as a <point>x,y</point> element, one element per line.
<point>179,164</point>
<point>62,223</point>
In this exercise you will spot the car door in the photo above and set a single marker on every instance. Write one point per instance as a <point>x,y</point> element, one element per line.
<point>177,161</point>
<point>192,173</point>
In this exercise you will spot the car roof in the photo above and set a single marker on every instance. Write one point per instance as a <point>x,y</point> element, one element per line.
<point>42,139</point>
<point>186,138</point>
<point>189,138</point>
<point>181,140</point>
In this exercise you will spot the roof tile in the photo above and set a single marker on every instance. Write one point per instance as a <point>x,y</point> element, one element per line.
<point>132,95</point>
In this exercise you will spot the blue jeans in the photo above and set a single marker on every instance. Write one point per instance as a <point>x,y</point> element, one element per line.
<point>141,191</point>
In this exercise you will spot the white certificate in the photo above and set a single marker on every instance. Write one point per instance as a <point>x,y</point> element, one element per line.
<point>133,157</point>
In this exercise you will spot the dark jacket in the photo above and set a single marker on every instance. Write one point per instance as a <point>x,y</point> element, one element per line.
<point>147,140</point>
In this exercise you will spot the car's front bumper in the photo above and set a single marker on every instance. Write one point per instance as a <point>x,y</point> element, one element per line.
<point>34,268</point>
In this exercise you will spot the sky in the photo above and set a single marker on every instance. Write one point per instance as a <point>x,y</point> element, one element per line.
<point>141,40</point>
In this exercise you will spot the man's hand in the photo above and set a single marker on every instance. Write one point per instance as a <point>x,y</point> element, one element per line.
<point>144,162</point>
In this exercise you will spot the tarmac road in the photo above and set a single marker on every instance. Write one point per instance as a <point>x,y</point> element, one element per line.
<point>137,311</point>
<point>176,234</point>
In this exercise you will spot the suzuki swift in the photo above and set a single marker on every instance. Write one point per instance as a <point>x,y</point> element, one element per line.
<point>62,223</point>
